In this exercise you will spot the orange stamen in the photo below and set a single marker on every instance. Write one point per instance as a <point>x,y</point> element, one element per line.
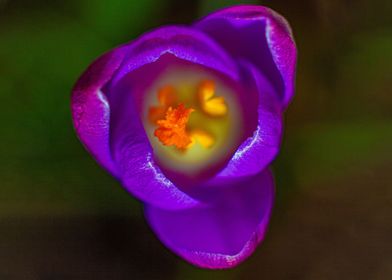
<point>166,97</point>
<point>171,131</point>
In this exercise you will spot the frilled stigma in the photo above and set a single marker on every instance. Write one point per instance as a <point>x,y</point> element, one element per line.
<point>172,129</point>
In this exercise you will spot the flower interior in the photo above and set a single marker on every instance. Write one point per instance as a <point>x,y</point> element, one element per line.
<point>193,119</point>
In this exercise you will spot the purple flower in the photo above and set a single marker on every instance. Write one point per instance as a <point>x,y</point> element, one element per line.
<point>188,118</point>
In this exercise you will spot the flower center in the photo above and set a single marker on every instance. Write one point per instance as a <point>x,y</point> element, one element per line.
<point>192,119</point>
<point>172,121</point>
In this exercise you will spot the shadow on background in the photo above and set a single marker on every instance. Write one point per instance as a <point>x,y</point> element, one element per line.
<point>63,217</point>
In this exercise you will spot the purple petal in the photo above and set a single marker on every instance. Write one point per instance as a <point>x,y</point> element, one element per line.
<point>262,37</point>
<point>256,152</point>
<point>185,43</point>
<point>90,108</point>
<point>223,234</point>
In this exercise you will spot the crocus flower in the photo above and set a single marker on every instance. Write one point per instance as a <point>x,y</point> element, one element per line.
<point>188,118</point>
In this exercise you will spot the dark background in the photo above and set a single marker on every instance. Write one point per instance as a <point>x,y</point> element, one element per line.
<point>63,217</point>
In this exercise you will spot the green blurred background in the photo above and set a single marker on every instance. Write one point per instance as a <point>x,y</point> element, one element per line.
<point>63,217</point>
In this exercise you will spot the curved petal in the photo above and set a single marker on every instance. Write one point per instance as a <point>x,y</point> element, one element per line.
<point>90,108</point>
<point>262,37</point>
<point>256,152</point>
<point>223,234</point>
<point>184,43</point>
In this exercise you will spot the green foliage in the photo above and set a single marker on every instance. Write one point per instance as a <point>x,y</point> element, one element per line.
<point>121,19</point>
<point>45,168</point>
<point>210,6</point>
<point>324,152</point>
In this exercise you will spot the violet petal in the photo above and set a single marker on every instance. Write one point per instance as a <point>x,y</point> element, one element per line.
<point>90,108</point>
<point>261,36</point>
<point>258,151</point>
<point>183,42</point>
<point>223,234</point>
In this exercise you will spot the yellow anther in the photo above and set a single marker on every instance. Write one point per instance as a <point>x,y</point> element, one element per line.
<point>204,138</point>
<point>213,106</point>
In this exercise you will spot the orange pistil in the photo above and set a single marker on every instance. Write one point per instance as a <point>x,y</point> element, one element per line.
<point>171,131</point>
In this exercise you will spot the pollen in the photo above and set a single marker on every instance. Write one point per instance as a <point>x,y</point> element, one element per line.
<point>172,129</point>
<point>212,105</point>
